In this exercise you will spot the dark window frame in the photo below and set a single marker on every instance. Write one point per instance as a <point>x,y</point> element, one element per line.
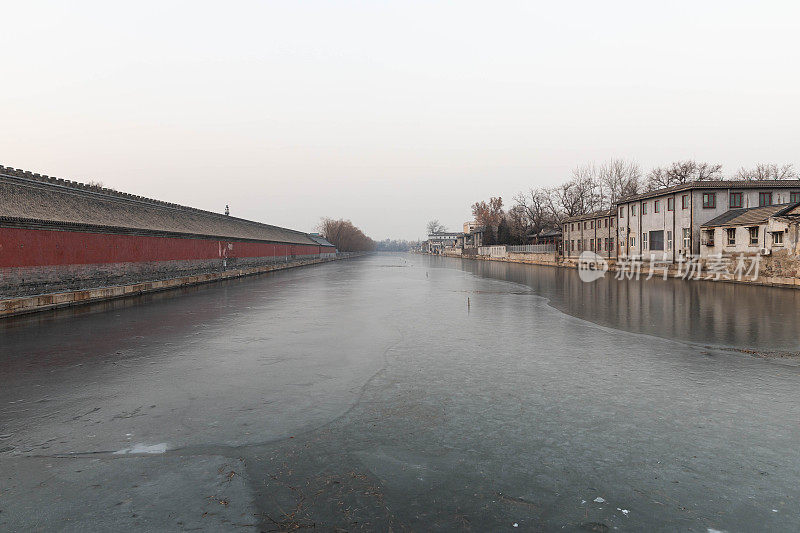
<point>753,240</point>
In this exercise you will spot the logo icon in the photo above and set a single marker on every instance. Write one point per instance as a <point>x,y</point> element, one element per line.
<point>591,267</point>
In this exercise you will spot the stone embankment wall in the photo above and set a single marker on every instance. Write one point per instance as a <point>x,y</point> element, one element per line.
<point>42,302</point>
<point>781,269</point>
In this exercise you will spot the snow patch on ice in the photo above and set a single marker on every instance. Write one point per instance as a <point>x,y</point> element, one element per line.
<point>144,448</point>
<point>600,500</point>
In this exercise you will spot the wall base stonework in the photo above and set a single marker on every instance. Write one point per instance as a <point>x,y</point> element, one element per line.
<point>775,271</point>
<point>33,280</point>
<point>42,302</point>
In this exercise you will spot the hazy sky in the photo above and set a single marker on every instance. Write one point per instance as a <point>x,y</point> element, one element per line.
<point>388,113</point>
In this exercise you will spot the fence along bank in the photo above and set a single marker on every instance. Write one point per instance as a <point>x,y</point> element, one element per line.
<point>63,242</point>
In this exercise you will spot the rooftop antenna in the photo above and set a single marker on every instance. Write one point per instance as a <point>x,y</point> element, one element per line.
<point>227,210</point>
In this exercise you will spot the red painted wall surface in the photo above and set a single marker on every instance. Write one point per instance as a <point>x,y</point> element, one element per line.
<point>36,247</point>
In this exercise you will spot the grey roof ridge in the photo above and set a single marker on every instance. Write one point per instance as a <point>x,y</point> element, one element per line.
<point>71,187</point>
<point>721,220</point>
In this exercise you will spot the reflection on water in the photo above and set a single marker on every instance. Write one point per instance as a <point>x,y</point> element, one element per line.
<point>724,314</point>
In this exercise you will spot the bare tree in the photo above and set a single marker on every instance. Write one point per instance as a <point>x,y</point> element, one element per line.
<point>618,179</point>
<point>580,195</point>
<point>518,224</point>
<point>434,226</point>
<point>680,172</point>
<point>767,171</point>
<point>345,236</point>
<point>535,208</point>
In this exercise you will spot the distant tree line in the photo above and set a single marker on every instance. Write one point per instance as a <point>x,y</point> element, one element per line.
<point>345,236</point>
<point>390,245</point>
<point>592,187</point>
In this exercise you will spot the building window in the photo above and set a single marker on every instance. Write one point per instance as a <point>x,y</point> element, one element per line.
<point>764,198</point>
<point>777,238</point>
<point>709,200</point>
<point>685,201</point>
<point>592,224</point>
<point>669,240</point>
<point>633,210</point>
<point>656,206</point>
<point>657,240</point>
<point>633,242</point>
<point>670,204</point>
<point>605,222</point>
<point>611,244</point>
<point>736,200</point>
<point>794,196</point>
<point>572,245</point>
<point>731,236</point>
<point>644,210</point>
<point>611,222</point>
<point>709,233</point>
<point>621,211</point>
<point>580,246</point>
<point>572,226</point>
<point>687,239</point>
<point>753,236</point>
<point>644,241</point>
<point>591,244</point>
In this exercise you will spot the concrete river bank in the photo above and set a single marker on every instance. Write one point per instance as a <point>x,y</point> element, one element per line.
<point>407,392</point>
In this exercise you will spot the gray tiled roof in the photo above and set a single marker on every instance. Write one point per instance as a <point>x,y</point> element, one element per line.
<point>717,184</point>
<point>319,239</point>
<point>749,216</point>
<point>594,214</point>
<point>25,196</point>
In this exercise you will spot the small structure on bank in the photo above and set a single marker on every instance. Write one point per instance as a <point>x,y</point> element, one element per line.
<point>758,230</point>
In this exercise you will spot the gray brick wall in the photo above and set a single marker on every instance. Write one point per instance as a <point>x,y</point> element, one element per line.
<point>28,281</point>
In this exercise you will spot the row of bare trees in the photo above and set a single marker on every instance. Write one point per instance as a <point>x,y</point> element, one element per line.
<point>592,188</point>
<point>345,236</point>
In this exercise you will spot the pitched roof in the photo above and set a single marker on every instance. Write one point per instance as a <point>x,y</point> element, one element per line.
<point>26,197</point>
<point>716,184</point>
<point>319,239</point>
<point>750,216</point>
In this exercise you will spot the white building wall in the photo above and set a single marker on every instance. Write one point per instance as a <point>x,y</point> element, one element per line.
<point>676,221</point>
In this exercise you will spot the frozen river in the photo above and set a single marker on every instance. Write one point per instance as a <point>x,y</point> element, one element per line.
<point>407,392</point>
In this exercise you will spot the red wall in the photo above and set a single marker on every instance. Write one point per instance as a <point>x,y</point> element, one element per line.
<point>36,247</point>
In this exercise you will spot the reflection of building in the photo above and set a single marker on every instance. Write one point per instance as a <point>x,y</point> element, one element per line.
<point>595,232</point>
<point>763,230</point>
